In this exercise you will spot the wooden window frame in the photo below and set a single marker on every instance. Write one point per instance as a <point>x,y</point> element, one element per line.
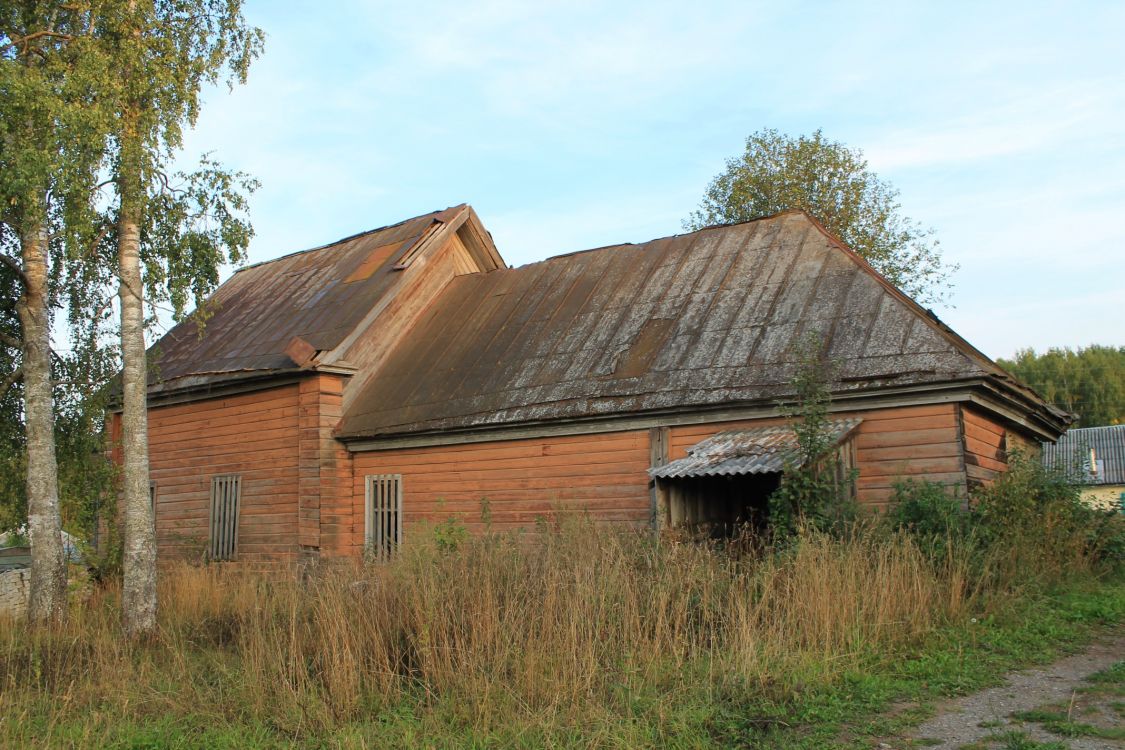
<point>226,504</point>
<point>382,515</point>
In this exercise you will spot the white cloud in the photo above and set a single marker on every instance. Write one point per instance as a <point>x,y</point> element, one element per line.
<point>1032,121</point>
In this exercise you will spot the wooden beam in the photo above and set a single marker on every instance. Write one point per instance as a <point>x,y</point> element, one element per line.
<point>657,456</point>
<point>900,397</point>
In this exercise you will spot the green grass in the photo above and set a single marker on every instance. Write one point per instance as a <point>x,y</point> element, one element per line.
<point>952,662</point>
<point>247,662</point>
<point>1107,682</point>
<point>1059,719</point>
<point>883,698</point>
<point>1013,740</point>
<point>1058,722</point>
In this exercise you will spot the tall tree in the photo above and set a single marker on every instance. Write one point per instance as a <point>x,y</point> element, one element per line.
<point>1088,382</point>
<point>167,51</point>
<point>832,182</point>
<point>49,149</point>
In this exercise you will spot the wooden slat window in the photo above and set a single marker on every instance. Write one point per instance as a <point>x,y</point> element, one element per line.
<point>846,467</point>
<point>226,491</point>
<point>383,516</point>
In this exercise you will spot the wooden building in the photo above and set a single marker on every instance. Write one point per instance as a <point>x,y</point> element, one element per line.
<point>1093,457</point>
<point>339,395</point>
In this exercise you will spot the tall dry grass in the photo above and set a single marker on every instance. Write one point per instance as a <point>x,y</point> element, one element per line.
<point>577,619</point>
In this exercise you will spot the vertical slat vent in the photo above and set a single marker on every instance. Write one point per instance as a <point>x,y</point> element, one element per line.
<point>226,492</point>
<point>383,517</point>
<point>152,501</point>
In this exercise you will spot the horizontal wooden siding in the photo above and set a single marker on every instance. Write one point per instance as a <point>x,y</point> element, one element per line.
<point>254,435</point>
<point>522,481</point>
<point>986,447</point>
<point>920,442</point>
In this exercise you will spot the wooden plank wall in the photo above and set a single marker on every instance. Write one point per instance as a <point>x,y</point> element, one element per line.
<point>325,468</point>
<point>429,275</point>
<point>253,434</point>
<point>920,442</point>
<point>523,480</point>
<point>985,447</point>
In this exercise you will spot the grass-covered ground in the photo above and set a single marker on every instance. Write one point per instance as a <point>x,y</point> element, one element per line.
<point>582,637</point>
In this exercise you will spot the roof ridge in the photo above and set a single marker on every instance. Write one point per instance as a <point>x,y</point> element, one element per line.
<point>611,246</point>
<point>342,240</point>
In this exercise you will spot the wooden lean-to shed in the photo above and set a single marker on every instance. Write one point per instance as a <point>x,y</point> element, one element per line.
<point>407,375</point>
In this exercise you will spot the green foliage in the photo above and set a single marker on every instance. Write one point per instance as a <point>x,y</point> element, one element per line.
<point>78,82</point>
<point>1039,512</point>
<point>831,182</point>
<point>52,140</point>
<point>1060,723</point>
<point>1088,382</point>
<point>198,223</point>
<point>927,511</point>
<point>450,534</point>
<point>815,491</point>
<point>191,222</point>
<point>1031,519</point>
<point>261,697</point>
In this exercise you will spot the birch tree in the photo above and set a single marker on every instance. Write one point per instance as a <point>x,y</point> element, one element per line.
<point>168,50</point>
<point>50,144</point>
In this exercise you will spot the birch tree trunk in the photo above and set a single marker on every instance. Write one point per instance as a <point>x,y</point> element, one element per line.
<point>138,601</point>
<point>48,567</point>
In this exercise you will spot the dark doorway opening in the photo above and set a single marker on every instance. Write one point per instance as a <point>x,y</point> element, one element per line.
<point>720,507</point>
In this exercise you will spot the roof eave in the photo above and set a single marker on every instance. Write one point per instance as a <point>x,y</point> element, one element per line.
<point>887,397</point>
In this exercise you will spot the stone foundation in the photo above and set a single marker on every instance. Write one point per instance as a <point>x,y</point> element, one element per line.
<point>14,586</point>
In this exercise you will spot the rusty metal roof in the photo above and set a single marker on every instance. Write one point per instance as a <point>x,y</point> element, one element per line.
<point>760,450</point>
<point>702,319</point>
<point>1090,455</point>
<point>319,295</point>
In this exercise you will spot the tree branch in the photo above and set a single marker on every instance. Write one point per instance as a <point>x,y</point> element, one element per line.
<point>17,42</point>
<point>11,341</point>
<point>13,264</point>
<point>11,380</point>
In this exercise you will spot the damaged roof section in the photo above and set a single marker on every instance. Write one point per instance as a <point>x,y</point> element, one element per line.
<point>277,316</point>
<point>760,450</point>
<point>702,319</point>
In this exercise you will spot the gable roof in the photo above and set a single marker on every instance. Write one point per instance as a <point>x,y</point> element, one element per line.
<point>319,296</point>
<point>695,320</point>
<point>1072,454</point>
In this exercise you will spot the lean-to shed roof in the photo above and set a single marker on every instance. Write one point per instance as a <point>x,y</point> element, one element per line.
<point>318,295</point>
<point>756,450</point>
<point>696,320</point>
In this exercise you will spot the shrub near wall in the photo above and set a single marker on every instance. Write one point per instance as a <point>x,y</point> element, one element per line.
<point>1030,526</point>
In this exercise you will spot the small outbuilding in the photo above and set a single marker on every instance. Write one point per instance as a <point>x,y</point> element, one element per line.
<point>339,396</point>
<point>1095,458</point>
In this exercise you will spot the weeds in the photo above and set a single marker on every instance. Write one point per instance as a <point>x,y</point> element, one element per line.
<point>575,634</point>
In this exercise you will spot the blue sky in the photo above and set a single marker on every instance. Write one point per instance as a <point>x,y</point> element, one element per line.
<point>580,124</point>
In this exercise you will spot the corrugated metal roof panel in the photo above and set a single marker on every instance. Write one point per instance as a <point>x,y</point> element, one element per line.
<point>1072,454</point>
<point>760,450</point>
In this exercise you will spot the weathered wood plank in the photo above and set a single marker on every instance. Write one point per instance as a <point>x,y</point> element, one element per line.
<point>900,452</point>
<point>912,467</point>
<point>911,437</point>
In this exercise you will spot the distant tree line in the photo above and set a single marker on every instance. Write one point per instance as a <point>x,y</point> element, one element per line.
<point>1088,382</point>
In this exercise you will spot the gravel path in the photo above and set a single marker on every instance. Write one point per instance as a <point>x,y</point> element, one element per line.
<point>959,722</point>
